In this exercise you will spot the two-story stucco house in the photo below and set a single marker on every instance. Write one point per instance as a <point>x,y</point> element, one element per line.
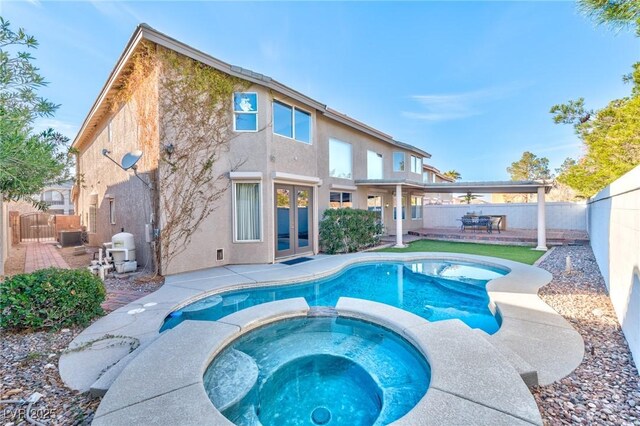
<point>299,158</point>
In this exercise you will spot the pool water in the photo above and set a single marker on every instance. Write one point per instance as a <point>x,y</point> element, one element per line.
<point>434,290</point>
<point>317,371</point>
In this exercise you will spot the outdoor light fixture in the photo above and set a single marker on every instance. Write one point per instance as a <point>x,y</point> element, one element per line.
<point>128,161</point>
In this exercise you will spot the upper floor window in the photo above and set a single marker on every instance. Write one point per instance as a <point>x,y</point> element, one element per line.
<point>291,122</point>
<point>245,112</point>
<point>374,165</point>
<point>398,161</point>
<point>340,164</point>
<point>416,164</point>
<point>425,177</point>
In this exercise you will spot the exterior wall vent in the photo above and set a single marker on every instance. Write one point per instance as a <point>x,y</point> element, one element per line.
<point>220,254</point>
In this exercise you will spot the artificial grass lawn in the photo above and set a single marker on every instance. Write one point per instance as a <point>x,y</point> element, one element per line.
<point>518,253</point>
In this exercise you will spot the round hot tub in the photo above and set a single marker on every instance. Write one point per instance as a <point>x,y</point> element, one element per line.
<point>305,389</point>
<point>317,371</point>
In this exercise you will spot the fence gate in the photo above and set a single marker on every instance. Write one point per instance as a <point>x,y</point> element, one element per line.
<point>37,227</point>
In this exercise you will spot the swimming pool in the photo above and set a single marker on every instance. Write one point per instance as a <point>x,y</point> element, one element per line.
<point>316,371</point>
<point>435,290</point>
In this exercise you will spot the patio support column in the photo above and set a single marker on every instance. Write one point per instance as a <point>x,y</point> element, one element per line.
<point>399,207</point>
<point>542,225</point>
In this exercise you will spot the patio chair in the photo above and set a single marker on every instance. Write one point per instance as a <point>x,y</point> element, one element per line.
<point>484,222</point>
<point>468,222</point>
<point>495,223</point>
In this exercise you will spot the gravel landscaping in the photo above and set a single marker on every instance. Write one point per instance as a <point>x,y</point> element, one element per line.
<point>28,364</point>
<point>605,388</point>
<point>29,360</point>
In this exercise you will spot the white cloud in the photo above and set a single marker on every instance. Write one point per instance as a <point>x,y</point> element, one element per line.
<point>116,10</point>
<point>454,106</point>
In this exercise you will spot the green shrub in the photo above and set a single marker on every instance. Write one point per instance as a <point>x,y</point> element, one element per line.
<point>348,230</point>
<point>50,298</point>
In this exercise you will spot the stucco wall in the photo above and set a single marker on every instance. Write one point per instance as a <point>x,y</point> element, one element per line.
<point>267,153</point>
<point>614,230</point>
<point>261,152</point>
<point>119,133</point>
<point>519,215</point>
<point>360,144</point>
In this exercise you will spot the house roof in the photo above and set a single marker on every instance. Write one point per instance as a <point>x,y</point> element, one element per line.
<point>509,186</point>
<point>437,172</point>
<point>145,32</point>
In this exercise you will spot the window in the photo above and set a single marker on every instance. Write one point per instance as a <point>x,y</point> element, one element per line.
<point>301,126</point>
<point>398,161</point>
<point>340,200</point>
<point>416,207</point>
<point>112,211</point>
<point>374,165</point>
<point>404,204</point>
<point>416,164</point>
<point>425,177</point>
<point>339,159</point>
<point>52,197</point>
<point>93,216</point>
<point>291,122</point>
<point>248,220</point>
<point>245,112</point>
<point>374,204</point>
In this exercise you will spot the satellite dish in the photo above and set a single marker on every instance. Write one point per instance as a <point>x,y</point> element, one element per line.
<point>130,159</point>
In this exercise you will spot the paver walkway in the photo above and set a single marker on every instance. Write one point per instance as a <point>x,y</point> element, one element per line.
<point>42,255</point>
<point>119,298</point>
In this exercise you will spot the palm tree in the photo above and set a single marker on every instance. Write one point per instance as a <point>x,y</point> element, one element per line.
<point>453,174</point>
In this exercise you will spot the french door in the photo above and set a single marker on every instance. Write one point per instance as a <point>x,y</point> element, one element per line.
<point>294,220</point>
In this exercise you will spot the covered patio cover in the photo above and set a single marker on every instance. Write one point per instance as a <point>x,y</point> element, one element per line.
<point>511,187</point>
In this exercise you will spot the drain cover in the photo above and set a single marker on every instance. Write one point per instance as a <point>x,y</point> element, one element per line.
<point>321,416</point>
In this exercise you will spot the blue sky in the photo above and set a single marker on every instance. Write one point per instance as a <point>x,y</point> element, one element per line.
<point>469,82</point>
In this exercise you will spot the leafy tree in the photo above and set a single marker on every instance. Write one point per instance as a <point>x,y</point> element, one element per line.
<point>530,167</point>
<point>28,161</point>
<point>19,78</point>
<point>619,14</point>
<point>453,174</point>
<point>611,137</point>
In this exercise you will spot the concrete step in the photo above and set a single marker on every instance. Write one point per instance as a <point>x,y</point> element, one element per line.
<point>528,373</point>
<point>100,387</point>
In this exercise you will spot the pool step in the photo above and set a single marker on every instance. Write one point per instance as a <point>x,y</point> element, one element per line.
<point>231,377</point>
<point>528,374</point>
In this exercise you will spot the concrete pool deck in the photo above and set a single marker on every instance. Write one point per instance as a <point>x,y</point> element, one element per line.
<point>179,397</point>
<point>537,342</point>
